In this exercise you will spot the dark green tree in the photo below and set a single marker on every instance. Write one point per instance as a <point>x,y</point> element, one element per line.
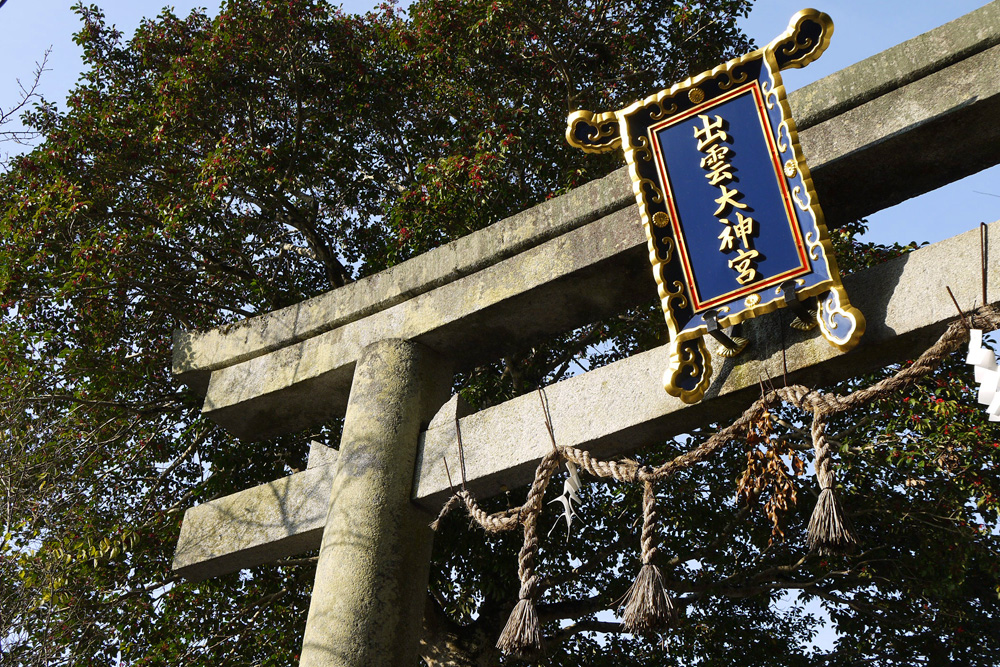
<point>213,168</point>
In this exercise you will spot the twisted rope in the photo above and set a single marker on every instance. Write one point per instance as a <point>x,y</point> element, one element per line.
<point>497,522</point>
<point>625,470</point>
<point>707,449</point>
<point>648,606</point>
<point>824,472</point>
<point>532,508</point>
<point>804,398</point>
<point>523,632</point>
<point>650,524</point>
<point>829,531</point>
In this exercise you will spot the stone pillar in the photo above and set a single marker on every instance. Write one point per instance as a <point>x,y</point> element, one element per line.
<point>371,580</point>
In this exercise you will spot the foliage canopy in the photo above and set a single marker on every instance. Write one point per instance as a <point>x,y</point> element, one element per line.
<point>212,168</point>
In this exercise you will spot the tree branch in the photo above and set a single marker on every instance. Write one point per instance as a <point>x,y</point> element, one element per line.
<point>27,94</point>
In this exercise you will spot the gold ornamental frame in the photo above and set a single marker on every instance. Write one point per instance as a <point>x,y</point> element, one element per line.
<point>633,128</point>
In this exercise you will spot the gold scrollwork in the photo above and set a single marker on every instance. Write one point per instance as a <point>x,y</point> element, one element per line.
<point>668,296</point>
<point>657,196</point>
<point>797,193</point>
<point>842,325</point>
<point>770,94</point>
<point>641,149</point>
<point>792,47</point>
<point>663,111</point>
<point>688,359</point>
<point>667,246</point>
<point>733,80</point>
<point>814,245</point>
<point>600,131</point>
<point>782,145</point>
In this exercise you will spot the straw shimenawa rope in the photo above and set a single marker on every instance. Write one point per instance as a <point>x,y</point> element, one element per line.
<point>647,604</point>
<point>829,529</point>
<point>523,633</point>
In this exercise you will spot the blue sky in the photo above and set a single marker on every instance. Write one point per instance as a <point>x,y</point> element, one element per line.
<point>862,28</point>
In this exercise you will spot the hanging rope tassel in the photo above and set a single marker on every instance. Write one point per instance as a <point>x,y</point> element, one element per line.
<point>452,503</point>
<point>647,604</point>
<point>830,530</point>
<point>523,632</point>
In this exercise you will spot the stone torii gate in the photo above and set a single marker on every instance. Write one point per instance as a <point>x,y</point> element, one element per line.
<point>382,351</point>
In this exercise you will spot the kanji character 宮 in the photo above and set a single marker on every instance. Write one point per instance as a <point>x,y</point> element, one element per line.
<point>743,263</point>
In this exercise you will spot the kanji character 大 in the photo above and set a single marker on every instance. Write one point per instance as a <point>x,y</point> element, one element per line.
<point>728,198</point>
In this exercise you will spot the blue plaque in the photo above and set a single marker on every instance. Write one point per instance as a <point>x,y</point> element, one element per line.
<point>733,223</point>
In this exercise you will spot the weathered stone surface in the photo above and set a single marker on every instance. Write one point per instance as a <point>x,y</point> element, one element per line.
<point>621,407</point>
<point>598,268</point>
<point>371,577</point>
<point>908,141</point>
<point>196,354</point>
<point>321,455</point>
<point>271,521</point>
<point>256,526</point>
<point>897,66</point>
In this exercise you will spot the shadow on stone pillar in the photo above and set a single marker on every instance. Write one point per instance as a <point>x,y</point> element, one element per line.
<point>371,578</point>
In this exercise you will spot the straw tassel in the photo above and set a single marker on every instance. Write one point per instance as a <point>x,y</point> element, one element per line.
<point>830,530</point>
<point>647,604</point>
<point>523,632</point>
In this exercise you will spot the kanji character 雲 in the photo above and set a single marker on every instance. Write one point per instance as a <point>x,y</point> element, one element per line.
<point>715,162</point>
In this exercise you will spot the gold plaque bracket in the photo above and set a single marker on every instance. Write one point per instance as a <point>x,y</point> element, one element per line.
<point>806,312</point>
<point>728,346</point>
